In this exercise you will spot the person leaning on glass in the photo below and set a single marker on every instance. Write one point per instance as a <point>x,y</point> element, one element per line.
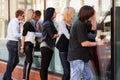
<point>48,43</point>
<point>64,29</point>
<point>79,44</point>
<point>13,36</point>
<point>27,42</point>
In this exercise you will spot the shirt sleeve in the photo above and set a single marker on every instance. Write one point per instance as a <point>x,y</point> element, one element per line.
<point>81,33</point>
<point>25,29</point>
<point>15,30</point>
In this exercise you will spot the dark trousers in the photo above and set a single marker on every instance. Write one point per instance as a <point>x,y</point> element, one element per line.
<point>65,65</point>
<point>28,60</point>
<point>13,59</point>
<point>45,61</point>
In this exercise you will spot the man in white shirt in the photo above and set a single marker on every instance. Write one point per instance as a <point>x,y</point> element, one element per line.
<point>13,36</point>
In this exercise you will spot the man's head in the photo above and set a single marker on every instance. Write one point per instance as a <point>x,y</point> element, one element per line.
<point>37,15</point>
<point>19,14</point>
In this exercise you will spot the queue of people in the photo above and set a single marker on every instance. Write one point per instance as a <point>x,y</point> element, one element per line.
<point>74,47</point>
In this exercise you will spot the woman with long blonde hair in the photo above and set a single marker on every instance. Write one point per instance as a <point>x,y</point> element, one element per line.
<point>28,40</point>
<point>64,30</point>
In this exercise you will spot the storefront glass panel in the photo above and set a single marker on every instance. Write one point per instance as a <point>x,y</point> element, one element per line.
<point>117,40</point>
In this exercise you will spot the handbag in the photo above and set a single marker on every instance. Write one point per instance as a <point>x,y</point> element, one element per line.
<point>62,43</point>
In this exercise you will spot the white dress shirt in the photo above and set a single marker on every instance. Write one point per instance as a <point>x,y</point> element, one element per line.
<point>13,31</point>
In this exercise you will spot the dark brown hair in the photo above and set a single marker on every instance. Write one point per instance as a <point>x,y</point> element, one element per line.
<point>85,13</point>
<point>19,13</point>
<point>37,13</point>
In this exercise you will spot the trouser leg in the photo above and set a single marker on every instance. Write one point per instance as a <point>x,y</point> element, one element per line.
<point>45,61</point>
<point>28,61</point>
<point>65,65</point>
<point>12,59</point>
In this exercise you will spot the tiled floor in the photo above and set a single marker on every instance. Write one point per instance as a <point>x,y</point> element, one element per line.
<point>1,76</point>
<point>34,73</point>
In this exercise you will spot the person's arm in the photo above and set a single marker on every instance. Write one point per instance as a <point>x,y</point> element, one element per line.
<point>22,41</point>
<point>25,30</point>
<point>15,30</point>
<point>90,44</point>
<point>51,31</point>
<point>22,44</point>
<point>82,37</point>
<point>55,36</point>
<point>93,22</point>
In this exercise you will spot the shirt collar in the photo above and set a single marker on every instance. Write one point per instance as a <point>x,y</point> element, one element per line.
<point>16,20</point>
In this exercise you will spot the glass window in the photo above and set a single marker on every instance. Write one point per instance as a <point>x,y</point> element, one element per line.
<point>24,4</point>
<point>21,6</point>
<point>3,26</point>
<point>116,33</point>
<point>3,18</point>
<point>29,1</point>
<point>21,0</point>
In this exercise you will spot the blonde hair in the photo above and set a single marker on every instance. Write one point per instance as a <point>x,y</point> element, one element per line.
<point>68,14</point>
<point>29,14</point>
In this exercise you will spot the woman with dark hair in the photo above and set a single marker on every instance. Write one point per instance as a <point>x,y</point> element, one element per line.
<point>48,42</point>
<point>79,45</point>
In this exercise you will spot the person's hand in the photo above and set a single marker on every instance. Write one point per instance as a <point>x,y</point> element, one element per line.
<point>105,40</point>
<point>22,50</point>
<point>101,42</point>
<point>55,36</point>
